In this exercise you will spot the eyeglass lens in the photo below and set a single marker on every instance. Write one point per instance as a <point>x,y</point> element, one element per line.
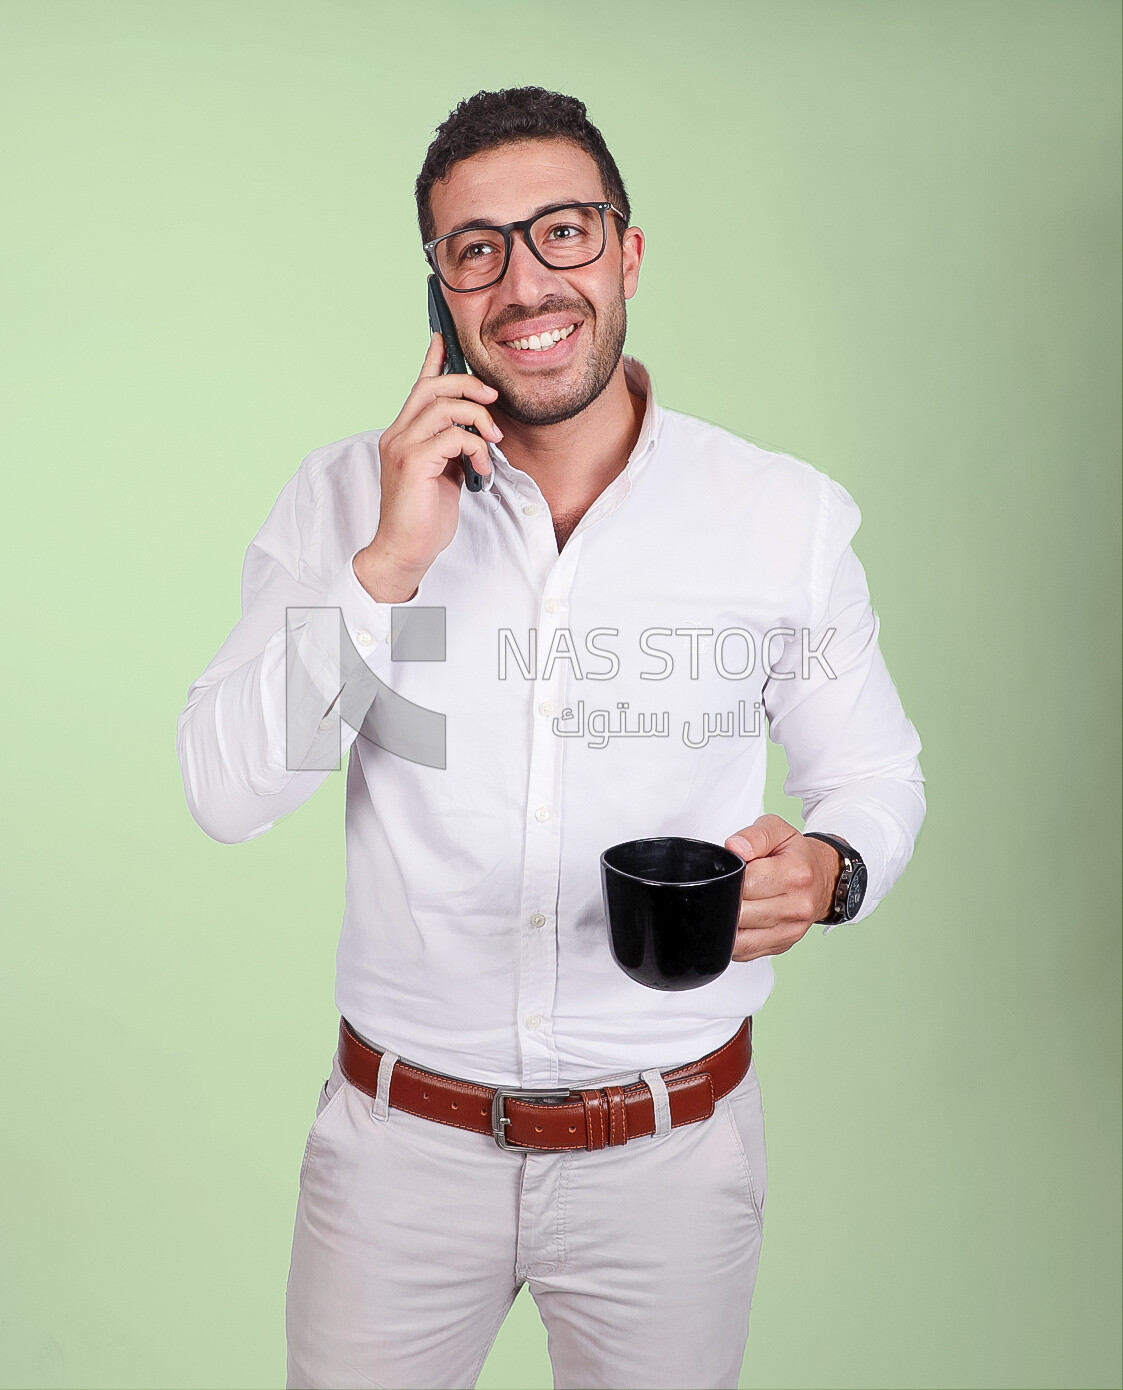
<point>567,237</point>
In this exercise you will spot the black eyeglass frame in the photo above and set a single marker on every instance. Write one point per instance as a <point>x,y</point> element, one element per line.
<point>506,232</point>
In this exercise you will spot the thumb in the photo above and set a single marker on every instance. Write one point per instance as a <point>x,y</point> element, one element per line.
<point>762,838</point>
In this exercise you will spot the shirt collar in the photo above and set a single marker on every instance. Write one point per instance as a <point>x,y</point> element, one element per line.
<point>639,383</point>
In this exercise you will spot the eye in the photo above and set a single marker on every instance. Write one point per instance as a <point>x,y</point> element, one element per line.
<point>567,232</point>
<point>474,251</point>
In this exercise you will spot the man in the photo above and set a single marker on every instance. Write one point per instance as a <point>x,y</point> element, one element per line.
<point>620,556</point>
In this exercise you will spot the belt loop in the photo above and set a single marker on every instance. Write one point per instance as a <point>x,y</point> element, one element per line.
<point>595,1104</point>
<point>381,1108</point>
<point>658,1088</point>
<point>617,1115</point>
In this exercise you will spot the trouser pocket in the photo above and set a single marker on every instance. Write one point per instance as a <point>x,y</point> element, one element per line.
<point>746,1115</point>
<point>333,1087</point>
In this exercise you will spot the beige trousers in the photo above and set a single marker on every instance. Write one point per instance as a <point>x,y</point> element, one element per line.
<point>412,1239</point>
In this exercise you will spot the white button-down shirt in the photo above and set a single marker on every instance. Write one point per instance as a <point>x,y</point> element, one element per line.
<point>622,688</point>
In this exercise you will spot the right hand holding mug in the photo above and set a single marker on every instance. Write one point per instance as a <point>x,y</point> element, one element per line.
<point>789,885</point>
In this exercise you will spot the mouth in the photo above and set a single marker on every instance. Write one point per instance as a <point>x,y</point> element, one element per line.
<point>540,342</point>
<point>550,342</point>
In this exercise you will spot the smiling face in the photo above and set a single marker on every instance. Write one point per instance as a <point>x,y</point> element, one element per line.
<point>580,313</point>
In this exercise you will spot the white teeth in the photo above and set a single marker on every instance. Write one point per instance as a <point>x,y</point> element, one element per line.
<point>542,342</point>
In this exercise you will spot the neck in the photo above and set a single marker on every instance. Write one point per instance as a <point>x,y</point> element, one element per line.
<point>574,461</point>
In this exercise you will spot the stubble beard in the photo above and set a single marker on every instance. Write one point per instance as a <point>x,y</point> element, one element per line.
<point>547,402</point>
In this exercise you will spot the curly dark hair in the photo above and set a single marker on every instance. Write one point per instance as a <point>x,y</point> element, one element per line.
<point>491,119</point>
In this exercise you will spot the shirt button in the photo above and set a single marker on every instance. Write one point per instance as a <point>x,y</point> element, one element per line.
<point>538,920</point>
<point>533,1022</point>
<point>551,605</point>
<point>531,509</point>
<point>545,708</point>
<point>325,724</point>
<point>543,813</point>
<point>364,639</point>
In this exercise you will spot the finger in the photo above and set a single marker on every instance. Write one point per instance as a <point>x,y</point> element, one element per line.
<point>434,357</point>
<point>432,371</point>
<point>456,384</point>
<point>449,445</point>
<point>429,390</point>
<point>764,878</point>
<point>445,411</point>
<point>764,941</point>
<point>762,838</point>
<point>766,912</point>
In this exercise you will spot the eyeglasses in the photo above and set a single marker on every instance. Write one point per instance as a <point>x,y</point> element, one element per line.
<point>564,237</point>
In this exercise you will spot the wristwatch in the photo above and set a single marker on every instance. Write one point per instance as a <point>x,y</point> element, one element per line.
<point>852,881</point>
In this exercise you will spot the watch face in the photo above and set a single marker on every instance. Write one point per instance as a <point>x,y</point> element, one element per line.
<point>857,890</point>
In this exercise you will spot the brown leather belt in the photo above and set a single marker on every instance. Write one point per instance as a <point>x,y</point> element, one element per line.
<point>551,1120</point>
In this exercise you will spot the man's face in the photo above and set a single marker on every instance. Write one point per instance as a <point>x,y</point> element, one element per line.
<point>505,185</point>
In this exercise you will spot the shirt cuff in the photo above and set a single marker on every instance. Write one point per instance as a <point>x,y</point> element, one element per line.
<point>862,832</point>
<point>333,652</point>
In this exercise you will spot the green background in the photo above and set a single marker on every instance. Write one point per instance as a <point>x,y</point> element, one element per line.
<point>881,236</point>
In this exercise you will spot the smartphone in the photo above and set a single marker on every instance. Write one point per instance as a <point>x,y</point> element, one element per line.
<point>440,321</point>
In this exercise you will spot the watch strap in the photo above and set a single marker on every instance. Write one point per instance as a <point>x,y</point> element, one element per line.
<point>850,860</point>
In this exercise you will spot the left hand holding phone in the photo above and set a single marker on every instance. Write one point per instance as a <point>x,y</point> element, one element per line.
<point>422,477</point>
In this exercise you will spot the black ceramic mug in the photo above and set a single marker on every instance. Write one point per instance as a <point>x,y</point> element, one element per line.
<point>672,907</point>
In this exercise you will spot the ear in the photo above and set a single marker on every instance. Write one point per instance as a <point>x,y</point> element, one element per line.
<point>631,257</point>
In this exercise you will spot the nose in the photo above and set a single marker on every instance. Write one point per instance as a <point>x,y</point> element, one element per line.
<point>527,280</point>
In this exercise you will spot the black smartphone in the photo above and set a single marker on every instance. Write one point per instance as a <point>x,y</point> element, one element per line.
<point>440,321</point>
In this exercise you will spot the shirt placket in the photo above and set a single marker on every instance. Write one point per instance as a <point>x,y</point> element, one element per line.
<point>538,906</point>
<point>538,954</point>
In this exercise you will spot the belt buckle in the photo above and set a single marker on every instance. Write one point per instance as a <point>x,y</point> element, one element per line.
<point>499,1118</point>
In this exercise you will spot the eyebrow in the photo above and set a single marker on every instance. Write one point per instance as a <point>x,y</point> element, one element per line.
<point>478,223</point>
